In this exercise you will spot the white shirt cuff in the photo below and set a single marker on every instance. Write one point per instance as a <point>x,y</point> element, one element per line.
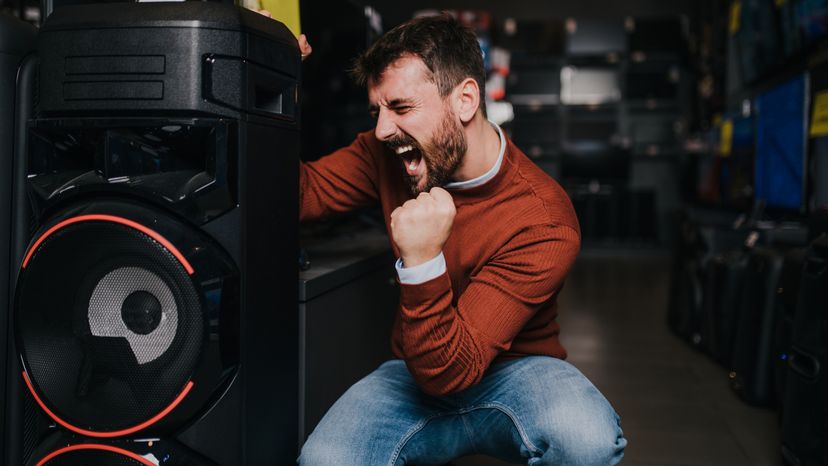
<point>423,272</point>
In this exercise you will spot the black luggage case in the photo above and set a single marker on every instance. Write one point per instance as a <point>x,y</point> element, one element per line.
<point>805,415</point>
<point>725,275</point>
<point>787,296</point>
<point>752,366</point>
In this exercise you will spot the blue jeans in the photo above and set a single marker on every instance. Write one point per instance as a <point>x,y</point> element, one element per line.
<point>535,410</point>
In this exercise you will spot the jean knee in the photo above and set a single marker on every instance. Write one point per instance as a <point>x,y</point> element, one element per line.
<point>593,441</point>
<point>317,453</point>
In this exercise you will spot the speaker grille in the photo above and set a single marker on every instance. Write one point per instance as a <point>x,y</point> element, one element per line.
<point>109,323</point>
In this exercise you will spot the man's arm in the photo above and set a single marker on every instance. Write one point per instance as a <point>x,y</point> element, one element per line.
<point>448,348</point>
<point>339,182</point>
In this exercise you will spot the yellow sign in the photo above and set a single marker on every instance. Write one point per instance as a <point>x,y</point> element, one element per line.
<point>819,117</point>
<point>726,141</point>
<point>735,17</point>
<point>286,11</point>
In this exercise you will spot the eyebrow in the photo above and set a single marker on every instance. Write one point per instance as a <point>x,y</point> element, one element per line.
<point>392,104</point>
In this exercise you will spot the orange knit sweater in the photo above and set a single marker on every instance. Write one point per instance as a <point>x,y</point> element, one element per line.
<point>513,242</point>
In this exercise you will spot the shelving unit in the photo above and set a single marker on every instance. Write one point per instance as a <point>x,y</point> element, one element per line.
<point>610,89</point>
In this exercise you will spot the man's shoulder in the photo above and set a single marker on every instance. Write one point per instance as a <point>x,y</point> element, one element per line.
<point>546,194</point>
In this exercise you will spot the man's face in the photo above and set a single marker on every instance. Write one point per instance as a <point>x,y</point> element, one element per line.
<point>417,124</point>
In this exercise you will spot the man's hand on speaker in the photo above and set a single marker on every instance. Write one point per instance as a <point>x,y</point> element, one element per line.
<point>304,46</point>
<point>421,226</point>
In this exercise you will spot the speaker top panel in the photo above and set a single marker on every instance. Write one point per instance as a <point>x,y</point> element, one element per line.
<point>168,57</point>
<point>165,15</point>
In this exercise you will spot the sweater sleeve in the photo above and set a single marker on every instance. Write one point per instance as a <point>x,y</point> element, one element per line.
<point>339,182</point>
<point>449,347</point>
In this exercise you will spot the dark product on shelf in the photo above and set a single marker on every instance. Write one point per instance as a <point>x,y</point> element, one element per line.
<point>781,134</point>
<point>533,81</point>
<point>536,37</point>
<point>591,128</point>
<point>785,312</point>
<point>595,162</point>
<point>657,81</point>
<point>656,36</point>
<point>537,132</point>
<point>805,410</point>
<point>595,36</point>
<point>724,280</point>
<point>753,358</point>
<point>589,85</point>
<point>334,107</point>
<point>653,132</point>
<point>757,38</point>
<point>813,19</point>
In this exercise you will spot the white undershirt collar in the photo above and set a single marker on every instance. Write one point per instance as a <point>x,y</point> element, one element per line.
<point>489,174</point>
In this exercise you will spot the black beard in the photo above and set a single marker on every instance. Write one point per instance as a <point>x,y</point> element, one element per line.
<point>442,155</point>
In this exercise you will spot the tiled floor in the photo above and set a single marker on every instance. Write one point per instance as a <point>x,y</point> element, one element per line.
<point>676,406</point>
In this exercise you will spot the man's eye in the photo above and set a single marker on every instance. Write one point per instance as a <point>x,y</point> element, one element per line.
<point>374,114</point>
<point>402,109</point>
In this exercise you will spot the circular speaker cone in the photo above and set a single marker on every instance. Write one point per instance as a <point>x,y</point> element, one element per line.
<point>136,305</point>
<point>110,324</point>
<point>141,312</point>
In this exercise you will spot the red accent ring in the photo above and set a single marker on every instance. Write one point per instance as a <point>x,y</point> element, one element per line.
<point>118,433</point>
<point>111,218</point>
<point>94,446</point>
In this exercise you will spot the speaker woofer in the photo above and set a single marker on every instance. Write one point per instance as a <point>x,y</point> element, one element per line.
<point>86,454</point>
<point>110,324</point>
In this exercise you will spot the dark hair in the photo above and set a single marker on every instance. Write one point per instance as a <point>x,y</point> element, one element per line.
<point>447,48</point>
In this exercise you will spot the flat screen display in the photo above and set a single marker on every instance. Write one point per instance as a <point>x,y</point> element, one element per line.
<point>534,85</point>
<point>595,36</point>
<point>589,86</point>
<point>650,82</point>
<point>780,145</point>
<point>588,162</point>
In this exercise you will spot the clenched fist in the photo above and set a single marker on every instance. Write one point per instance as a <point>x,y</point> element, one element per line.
<point>421,226</point>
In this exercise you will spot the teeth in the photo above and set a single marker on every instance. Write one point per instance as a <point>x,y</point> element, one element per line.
<point>403,149</point>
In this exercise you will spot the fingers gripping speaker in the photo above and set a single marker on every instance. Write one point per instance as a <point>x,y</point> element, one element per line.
<point>112,322</point>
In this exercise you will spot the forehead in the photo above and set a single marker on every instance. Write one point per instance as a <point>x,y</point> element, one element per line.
<point>407,77</point>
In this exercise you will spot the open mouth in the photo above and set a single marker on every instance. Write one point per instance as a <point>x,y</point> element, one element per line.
<point>412,159</point>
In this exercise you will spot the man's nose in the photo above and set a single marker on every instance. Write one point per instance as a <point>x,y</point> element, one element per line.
<point>386,128</point>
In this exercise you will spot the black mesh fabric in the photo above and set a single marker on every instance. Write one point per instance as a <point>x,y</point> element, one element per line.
<point>92,458</point>
<point>87,364</point>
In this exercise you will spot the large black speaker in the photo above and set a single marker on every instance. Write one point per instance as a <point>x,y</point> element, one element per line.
<point>752,361</point>
<point>155,309</point>
<point>805,413</point>
<point>17,41</point>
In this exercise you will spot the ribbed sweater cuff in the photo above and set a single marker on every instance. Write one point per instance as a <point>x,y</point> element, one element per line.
<point>424,296</point>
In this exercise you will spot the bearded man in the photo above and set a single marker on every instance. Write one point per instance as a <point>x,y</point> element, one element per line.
<point>485,240</point>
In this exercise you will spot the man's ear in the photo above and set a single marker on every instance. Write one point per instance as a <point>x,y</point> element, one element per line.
<point>466,99</point>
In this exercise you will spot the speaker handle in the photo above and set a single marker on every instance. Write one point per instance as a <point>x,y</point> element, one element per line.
<point>26,87</point>
<point>804,363</point>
